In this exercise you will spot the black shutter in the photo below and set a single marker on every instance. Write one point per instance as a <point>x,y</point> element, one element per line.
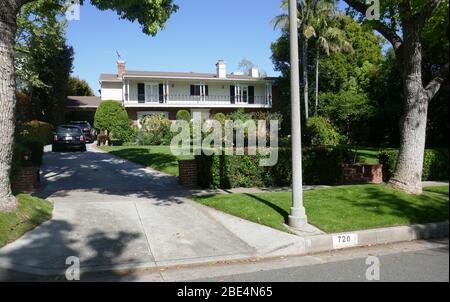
<point>141,93</point>
<point>206,90</point>
<point>192,90</point>
<point>232,95</point>
<point>251,94</point>
<point>161,93</point>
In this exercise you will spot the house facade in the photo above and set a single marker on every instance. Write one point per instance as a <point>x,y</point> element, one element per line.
<point>203,94</point>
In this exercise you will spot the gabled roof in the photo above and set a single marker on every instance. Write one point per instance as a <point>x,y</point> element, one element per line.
<point>186,75</point>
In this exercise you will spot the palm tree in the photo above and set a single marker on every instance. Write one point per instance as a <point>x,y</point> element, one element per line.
<point>305,14</point>
<point>311,15</point>
<point>330,39</point>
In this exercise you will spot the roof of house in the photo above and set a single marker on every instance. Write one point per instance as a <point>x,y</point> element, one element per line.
<point>83,101</point>
<point>187,75</point>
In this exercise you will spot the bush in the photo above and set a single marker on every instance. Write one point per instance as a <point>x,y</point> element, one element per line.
<point>321,166</point>
<point>38,131</point>
<point>155,131</point>
<point>435,164</point>
<point>320,132</point>
<point>112,117</point>
<point>350,112</point>
<point>183,115</point>
<point>220,117</point>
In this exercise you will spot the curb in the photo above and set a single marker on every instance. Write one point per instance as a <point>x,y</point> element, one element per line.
<point>330,242</point>
<point>313,245</point>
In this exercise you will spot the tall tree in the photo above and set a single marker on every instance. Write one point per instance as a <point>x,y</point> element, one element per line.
<point>151,14</point>
<point>43,61</point>
<point>402,23</point>
<point>305,10</point>
<point>78,87</point>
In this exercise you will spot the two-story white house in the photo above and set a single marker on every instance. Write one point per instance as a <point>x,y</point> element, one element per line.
<point>203,94</point>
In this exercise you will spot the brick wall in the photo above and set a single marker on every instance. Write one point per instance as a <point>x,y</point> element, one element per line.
<point>188,173</point>
<point>26,180</point>
<point>362,174</point>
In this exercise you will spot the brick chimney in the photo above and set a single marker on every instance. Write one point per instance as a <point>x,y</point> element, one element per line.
<point>120,68</point>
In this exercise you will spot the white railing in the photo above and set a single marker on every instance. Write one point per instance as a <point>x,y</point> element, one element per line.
<point>178,99</point>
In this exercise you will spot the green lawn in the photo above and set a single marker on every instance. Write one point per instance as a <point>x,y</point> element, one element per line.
<point>30,213</point>
<point>157,157</point>
<point>368,155</point>
<point>438,189</point>
<point>338,209</point>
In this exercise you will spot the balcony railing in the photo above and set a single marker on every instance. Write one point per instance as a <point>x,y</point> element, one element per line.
<point>179,99</point>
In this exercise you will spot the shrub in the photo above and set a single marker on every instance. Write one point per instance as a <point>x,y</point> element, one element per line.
<point>349,112</point>
<point>183,115</point>
<point>321,166</point>
<point>220,117</point>
<point>320,132</point>
<point>155,131</point>
<point>112,117</point>
<point>435,164</point>
<point>37,131</point>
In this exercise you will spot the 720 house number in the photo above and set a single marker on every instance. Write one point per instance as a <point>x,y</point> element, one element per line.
<point>345,240</point>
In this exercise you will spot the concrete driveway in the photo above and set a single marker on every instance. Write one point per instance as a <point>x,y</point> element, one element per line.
<point>114,214</point>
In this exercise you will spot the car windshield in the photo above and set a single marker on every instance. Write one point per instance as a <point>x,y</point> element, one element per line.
<point>69,130</point>
<point>81,124</point>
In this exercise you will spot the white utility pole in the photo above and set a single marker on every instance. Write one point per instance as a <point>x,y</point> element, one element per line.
<point>298,218</point>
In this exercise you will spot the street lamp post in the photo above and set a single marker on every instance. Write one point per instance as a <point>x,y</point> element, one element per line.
<point>298,218</point>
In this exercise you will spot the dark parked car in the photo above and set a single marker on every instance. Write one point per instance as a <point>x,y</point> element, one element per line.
<point>89,132</point>
<point>68,137</point>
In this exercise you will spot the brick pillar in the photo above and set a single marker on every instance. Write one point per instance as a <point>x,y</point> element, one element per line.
<point>362,174</point>
<point>188,173</point>
<point>26,180</point>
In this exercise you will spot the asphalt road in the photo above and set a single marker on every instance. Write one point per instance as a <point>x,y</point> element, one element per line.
<point>431,265</point>
<point>418,261</point>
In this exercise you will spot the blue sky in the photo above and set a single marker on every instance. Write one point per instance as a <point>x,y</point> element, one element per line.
<point>199,34</point>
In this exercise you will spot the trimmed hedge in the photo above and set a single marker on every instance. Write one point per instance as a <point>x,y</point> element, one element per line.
<point>36,131</point>
<point>320,166</point>
<point>435,164</point>
<point>28,149</point>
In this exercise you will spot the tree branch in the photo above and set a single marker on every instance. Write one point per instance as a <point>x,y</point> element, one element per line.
<point>435,84</point>
<point>429,11</point>
<point>387,32</point>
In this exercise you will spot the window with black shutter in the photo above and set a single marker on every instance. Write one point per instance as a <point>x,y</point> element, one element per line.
<point>161,93</point>
<point>251,94</point>
<point>232,94</point>
<point>141,93</point>
<point>206,90</point>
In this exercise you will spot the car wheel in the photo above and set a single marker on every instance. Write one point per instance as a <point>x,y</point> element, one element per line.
<point>55,149</point>
<point>83,149</point>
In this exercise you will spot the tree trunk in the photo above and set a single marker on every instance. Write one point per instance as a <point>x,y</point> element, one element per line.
<point>305,75</point>
<point>8,28</point>
<point>317,82</point>
<point>408,173</point>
